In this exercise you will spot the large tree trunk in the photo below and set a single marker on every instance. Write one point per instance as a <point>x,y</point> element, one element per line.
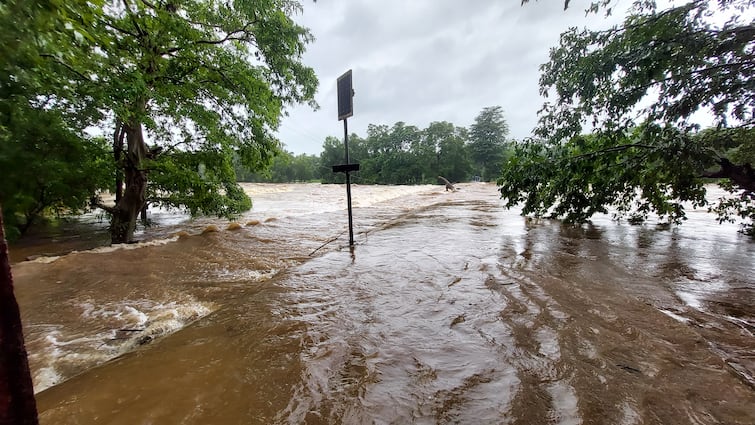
<point>17,404</point>
<point>128,207</point>
<point>118,136</point>
<point>741,175</point>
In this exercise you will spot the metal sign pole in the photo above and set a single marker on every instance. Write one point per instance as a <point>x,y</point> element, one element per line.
<point>348,180</point>
<point>345,110</point>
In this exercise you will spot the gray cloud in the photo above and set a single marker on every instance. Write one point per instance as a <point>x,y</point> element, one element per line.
<point>428,60</point>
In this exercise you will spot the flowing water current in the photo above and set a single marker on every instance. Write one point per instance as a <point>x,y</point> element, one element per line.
<point>449,309</point>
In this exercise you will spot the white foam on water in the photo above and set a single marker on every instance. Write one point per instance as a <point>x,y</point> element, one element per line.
<point>252,189</point>
<point>247,275</point>
<point>294,200</point>
<point>106,249</point>
<point>674,316</point>
<point>564,400</point>
<point>629,415</point>
<point>114,329</point>
<point>45,378</point>
<point>694,292</point>
<point>44,259</point>
<point>587,349</point>
<point>690,299</point>
<point>548,340</point>
<point>131,246</point>
<point>371,195</point>
<point>745,324</point>
<point>59,353</point>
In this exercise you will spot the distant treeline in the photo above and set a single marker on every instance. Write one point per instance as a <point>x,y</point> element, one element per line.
<point>402,154</point>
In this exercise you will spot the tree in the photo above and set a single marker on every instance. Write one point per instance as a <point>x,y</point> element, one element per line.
<point>332,154</point>
<point>640,85</point>
<point>389,155</point>
<point>593,7</point>
<point>49,165</point>
<point>400,165</point>
<point>286,167</point>
<point>34,141</point>
<point>487,143</point>
<point>401,154</point>
<point>185,87</point>
<point>452,156</point>
<point>17,404</point>
<point>303,168</point>
<point>424,152</point>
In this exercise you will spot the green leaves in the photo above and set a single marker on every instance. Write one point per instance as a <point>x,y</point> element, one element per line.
<point>488,142</point>
<point>47,168</point>
<point>185,83</point>
<point>585,175</point>
<point>639,86</point>
<point>202,182</point>
<point>675,60</point>
<point>401,154</point>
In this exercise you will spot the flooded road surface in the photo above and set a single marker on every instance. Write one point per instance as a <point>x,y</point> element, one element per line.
<point>448,310</point>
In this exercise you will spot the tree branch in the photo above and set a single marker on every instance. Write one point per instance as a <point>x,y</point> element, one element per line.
<point>133,18</point>
<point>618,148</point>
<point>148,4</point>
<point>65,65</point>
<point>230,36</point>
<point>119,29</point>
<point>653,18</point>
<point>742,175</point>
<point>690,74</point>
<point>96,202</point>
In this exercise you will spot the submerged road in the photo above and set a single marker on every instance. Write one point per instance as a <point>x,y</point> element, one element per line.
<point>446,311</point>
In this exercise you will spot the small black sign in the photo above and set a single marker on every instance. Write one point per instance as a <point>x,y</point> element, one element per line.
<point>345,96</point>
<point>345,168</point>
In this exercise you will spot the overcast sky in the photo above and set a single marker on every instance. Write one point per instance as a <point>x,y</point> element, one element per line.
<point>420,61</point>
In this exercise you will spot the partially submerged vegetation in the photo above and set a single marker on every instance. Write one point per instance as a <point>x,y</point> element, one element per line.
<point>179,88</point>
<point>640,86</point>
<point>188,96</point>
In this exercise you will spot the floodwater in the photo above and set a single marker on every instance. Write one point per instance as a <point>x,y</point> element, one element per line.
<point>449,309</point>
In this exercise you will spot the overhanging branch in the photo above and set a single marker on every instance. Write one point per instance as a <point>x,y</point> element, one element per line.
<point>618,148</point>
<point>96,202</point>
<point>741,175</point>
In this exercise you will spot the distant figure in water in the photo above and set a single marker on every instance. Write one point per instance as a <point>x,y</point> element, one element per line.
<point>449,186</point>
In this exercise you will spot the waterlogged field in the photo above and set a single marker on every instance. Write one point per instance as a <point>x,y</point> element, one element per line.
<point>449,309</point>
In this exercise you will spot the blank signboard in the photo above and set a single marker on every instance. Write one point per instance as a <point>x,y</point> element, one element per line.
<point>345,96</point>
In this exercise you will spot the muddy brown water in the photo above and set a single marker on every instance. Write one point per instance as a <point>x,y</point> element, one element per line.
<point>449,309</point>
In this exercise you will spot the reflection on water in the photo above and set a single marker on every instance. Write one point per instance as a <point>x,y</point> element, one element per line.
<point>448,310</point>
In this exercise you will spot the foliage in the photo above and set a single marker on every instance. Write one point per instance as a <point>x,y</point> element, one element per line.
<point>584,175</point>
<point>639,86</point>
<point>191,78</point>
<point>49,166</point>
<point>488,142</point>
<point>183,87</point>
<point>191,180</point>
<point>390,157</point>
<point>401,154</point>
<point>286,167</point>
<point>333,154</point>
<point>452,153</point>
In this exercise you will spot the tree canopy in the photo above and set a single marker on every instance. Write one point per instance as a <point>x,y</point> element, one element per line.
<point>182,88</point>
<point>488,142</point>
<point>402,154</point>
<point>286,167</point>
<point>49,164</point>
<point>640,87</point>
